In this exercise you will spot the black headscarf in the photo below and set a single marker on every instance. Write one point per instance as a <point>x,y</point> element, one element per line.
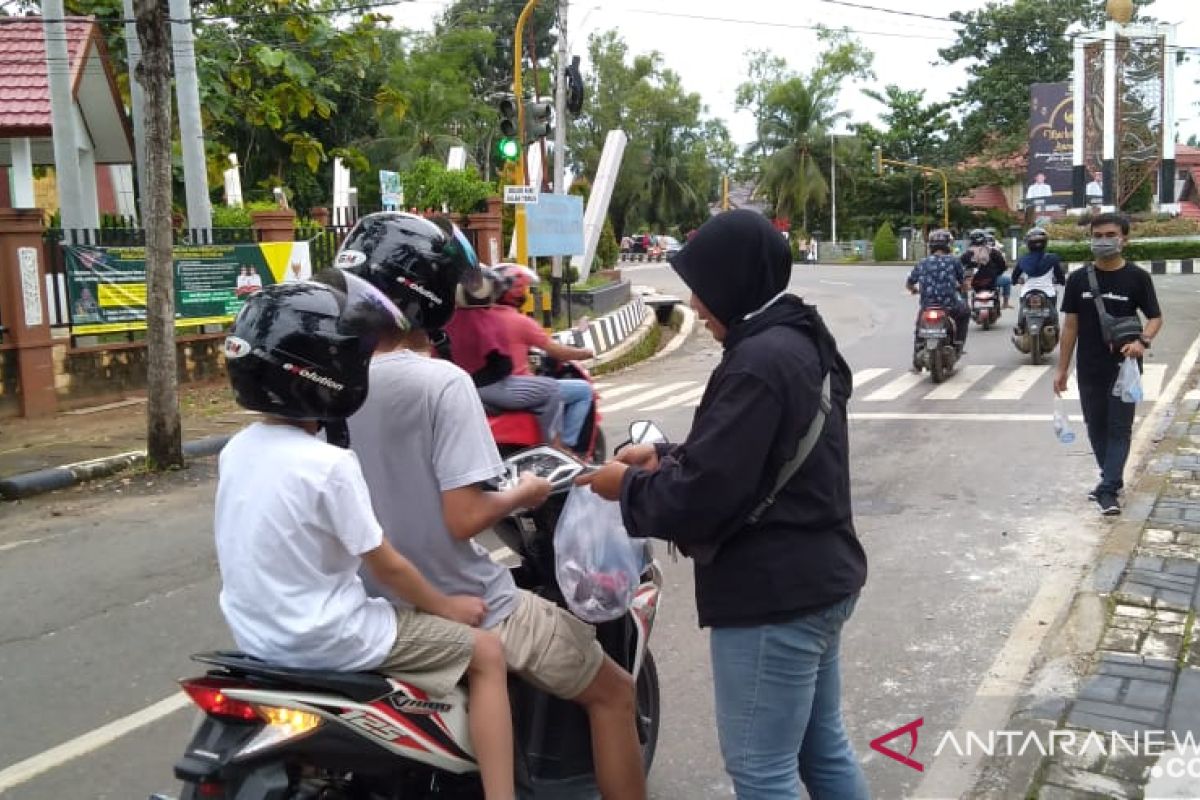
<point>735,263</point>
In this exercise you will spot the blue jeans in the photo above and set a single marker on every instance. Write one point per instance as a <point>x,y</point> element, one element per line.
<point>1109,424</point>
<point>577,399</point>
<point>779,709</point>
<point>1004,284</point>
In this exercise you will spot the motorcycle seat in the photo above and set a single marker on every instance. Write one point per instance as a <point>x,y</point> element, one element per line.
<point>359,686</point>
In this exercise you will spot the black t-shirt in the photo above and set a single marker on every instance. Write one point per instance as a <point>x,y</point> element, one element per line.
<point>1125,291</point>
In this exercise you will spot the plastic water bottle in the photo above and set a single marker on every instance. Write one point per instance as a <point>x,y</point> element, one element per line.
<point>1062,425</point>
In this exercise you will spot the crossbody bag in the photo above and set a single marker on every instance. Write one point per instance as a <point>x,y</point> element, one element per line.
<point>1116,331</point>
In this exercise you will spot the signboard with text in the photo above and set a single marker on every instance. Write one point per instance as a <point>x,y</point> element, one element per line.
<point>1051,145</point>
<point>520,195</point>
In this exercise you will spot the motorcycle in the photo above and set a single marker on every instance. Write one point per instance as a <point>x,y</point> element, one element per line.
<point>985,307</point>
<point>935,348</point>
<point>269,732</point>
<point>517,430</point>
<point>1040,333</point>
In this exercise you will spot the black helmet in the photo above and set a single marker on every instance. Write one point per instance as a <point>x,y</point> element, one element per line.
<point>1036,239</point>
<point>417,262</point>
<point>941,239</point>
<point>978,237</point>
<point>303,350</point>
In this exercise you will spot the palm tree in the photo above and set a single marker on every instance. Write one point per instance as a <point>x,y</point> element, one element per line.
<point>795,131</point>
<point>423,131</point>
<point>666,196</point>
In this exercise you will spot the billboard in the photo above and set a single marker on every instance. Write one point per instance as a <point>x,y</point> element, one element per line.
<point>1051,146</point>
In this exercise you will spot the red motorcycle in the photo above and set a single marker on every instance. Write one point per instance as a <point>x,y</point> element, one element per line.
<point>518,430</point>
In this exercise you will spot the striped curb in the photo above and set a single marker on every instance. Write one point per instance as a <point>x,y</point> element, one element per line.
<point>1184,266</point>
<point>609,331</point>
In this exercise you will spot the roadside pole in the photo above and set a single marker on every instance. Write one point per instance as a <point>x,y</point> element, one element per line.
<point>560,142</point>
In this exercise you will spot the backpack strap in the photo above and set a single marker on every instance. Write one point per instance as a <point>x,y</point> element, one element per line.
<point>1101,311</point>
<point>803,449</point>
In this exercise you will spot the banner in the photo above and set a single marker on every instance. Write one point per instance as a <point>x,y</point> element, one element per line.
<point>1051,146</point>
<point>107,285</point>
<point>554,225</point>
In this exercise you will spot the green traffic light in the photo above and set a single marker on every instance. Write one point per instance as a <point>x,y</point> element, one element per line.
<point>509,149</point>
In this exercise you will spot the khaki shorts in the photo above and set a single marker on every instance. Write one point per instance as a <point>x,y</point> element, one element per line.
<point>431,653</point>
<point>549,647</point>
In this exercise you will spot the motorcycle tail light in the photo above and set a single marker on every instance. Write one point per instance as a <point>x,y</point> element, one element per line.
<point>209,695</point>
<point>282,725</point>
<point>933,315</point>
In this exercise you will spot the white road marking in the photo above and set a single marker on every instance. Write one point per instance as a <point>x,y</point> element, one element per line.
<point>691,395</point>
<point>617,391</point>
<point>865,376</point>
<point>1018,383</point>
<point>55,757</point>
<point>1194,394</point>
<point>645,397</point>
<point>837,283</point>
<point>600,386</point>
<point>898,416</point>
<point>1153,376</point>
<point>1072,392</point>
<point>896,388</point>
<point>959,382</point>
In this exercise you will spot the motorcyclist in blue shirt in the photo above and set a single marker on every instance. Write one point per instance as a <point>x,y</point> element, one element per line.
<point>940,279</point>
<point>1039,270</point>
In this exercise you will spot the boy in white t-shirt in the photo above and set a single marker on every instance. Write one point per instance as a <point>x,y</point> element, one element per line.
<point>294,522</point>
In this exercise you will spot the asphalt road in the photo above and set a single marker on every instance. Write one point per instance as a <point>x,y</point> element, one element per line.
<point>972,514</point>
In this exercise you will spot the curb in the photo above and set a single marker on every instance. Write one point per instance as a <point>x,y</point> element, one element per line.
<point>685,330</point>
<point>28,484</point>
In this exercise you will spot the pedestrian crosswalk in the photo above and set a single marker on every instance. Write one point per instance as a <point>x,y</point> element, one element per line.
<point>877,386</point>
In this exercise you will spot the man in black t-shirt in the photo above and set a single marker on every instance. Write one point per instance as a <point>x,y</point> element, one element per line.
<point>1126,289</point>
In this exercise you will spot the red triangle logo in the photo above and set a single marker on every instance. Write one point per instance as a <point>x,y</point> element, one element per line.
<point>911,729</point>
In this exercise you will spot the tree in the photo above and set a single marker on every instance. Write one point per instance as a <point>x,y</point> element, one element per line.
<point>666,195</point>
<point>885,246</point>
<point>164,431</point>
<point>763,72</point>
<point>1007,47</point>
<point>913,128</point>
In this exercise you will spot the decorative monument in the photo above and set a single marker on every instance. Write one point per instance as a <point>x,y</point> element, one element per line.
<point>1124,113</point>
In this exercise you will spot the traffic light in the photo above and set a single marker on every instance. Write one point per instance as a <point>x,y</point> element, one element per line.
<point>538,115</point>
<point>878,160</point>
<point>507,146</point>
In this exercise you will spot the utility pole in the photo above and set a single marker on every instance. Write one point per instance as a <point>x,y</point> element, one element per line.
<point>62,118</point>
<point>191,130</point>
<point>164,437</point>
<point>518,93</point>
<point>832,189</point>
<point>560,141</point>
<point>133,54</point>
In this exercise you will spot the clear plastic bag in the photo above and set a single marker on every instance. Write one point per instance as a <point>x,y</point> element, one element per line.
<point>596,563</point>
<point>1062,423</point>
<point>1128,385</point>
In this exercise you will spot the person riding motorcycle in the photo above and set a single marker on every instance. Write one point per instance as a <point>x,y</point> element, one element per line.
<point>1038,270</point>
<point>985,262</point>
<point>512,289</point>
<point>1004,281</point>
<point>940,279</point>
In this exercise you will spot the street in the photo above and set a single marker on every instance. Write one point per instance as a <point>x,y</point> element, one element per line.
<point>972,514</point>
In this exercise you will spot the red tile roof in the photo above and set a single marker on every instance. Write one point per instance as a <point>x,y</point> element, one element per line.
<point>1187,156</point>
<point>24,87</point>
<point>986,197</point>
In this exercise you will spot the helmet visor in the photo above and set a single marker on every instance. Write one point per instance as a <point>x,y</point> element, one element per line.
<point>473,279</point>
<point>368,310</point>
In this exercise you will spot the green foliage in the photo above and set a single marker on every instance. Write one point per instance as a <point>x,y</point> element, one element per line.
<point>230,217</point>
<point>428,184</point>
<point>607,250</point>
<point>886,248</point>
<point>1134,251</point>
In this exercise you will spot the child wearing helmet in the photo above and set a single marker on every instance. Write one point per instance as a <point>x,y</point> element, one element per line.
<point>294,526</point>
<point>515,281</point>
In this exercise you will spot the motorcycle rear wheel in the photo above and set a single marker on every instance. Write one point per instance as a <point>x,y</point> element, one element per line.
<point>937,366</point>
<point>1035,349</point>
<point>649,708</point>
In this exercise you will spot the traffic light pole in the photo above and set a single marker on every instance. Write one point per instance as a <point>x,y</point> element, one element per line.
<point>560,142</point>
<point>518,48</point>
<point>880,161</point>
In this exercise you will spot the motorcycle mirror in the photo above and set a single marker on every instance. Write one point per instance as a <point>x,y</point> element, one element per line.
<point>643,431</point>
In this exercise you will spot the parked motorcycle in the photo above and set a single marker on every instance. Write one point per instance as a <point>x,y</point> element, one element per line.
<point>517,430</point>
<point>985,307</point>
<point>1040,334</point>
<point>274,733</point>
<point>935,348</point>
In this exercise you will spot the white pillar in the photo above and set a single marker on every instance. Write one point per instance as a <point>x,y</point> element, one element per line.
<point>62,116</point>
<point>1110,116</point>
<point>191,130</point>
<point>89,201</point>
<point>21,175</point>
<point>133,55</point>
<point>1168,202</point>
<point>1078,107</point>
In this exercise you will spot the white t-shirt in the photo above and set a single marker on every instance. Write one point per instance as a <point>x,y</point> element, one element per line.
<point>293,517</point>
<point>1039,190</point>
<point>423,431</point>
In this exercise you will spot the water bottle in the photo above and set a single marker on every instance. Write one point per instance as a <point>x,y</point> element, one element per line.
<point>1062,425</point>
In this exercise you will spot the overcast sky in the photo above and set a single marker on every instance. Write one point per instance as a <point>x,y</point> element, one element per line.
<point>704,41</point>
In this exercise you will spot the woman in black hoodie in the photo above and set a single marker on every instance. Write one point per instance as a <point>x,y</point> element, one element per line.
<point>776,591</point>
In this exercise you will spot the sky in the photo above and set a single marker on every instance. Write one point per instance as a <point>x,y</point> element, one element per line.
<point>704,42</point>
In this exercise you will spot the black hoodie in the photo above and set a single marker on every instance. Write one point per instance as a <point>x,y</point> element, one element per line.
<point>803,554</point>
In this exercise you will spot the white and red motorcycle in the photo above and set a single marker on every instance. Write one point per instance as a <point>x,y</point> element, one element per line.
<point>269,732</point>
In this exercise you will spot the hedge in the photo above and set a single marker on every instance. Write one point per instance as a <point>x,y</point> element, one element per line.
<point>1134,251</point>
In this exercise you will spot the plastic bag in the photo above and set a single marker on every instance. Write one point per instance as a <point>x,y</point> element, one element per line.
<point>1062,423</point>
<point>594,558</point>
<point>1128,385</point>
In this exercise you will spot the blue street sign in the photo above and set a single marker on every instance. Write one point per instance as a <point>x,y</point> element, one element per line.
<point>554,225</point>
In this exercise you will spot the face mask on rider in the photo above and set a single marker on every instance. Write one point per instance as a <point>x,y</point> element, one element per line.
<point>1106,248</point>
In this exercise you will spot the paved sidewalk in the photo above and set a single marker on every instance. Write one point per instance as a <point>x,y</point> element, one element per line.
<point>1144,677</point>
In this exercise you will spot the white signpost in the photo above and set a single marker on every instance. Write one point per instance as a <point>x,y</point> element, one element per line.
<point>521,195</point>
<point>597,207</point>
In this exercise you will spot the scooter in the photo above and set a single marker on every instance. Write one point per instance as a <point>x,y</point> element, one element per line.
<point>517,430</point>
<point>985,307</point>
<point>1040,333</point>
<point>269,732</point>
<point>935,348</point>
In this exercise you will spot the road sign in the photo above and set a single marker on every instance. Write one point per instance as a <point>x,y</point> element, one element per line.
<point>521,195</point>
<point>554,226</point>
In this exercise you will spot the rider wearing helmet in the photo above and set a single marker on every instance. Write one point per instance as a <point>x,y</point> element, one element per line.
<point>512,290</point>
<point>1004,280</point>
<point>1038,270</point>
<point>293,521</point>
<point>985,261</point>
<point>427,454</point>
<point>940,279</point>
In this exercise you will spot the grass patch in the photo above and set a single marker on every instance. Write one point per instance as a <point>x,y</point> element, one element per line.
<point>644,349</point>
<point>593,281</point>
